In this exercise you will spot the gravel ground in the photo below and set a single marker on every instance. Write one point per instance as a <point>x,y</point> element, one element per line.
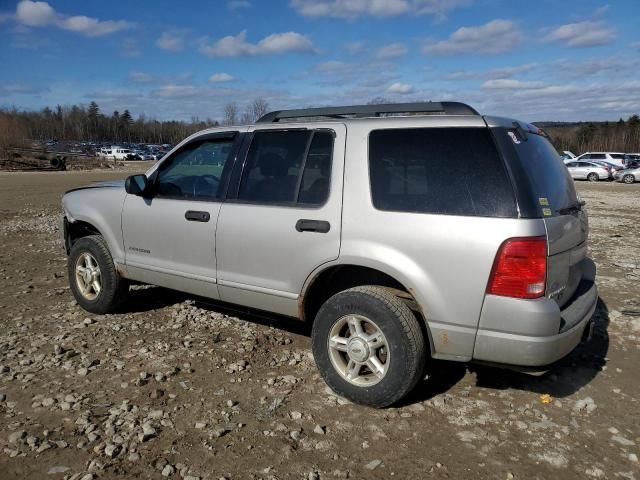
<point>175,387</point>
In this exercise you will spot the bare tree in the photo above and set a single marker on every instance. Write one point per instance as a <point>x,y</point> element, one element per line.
<point>230,114</point>
<point>255,110</point>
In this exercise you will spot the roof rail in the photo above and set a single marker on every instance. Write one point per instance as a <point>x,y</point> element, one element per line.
<point>360,111</point>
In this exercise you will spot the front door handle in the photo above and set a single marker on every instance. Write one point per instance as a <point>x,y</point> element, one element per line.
<point>196,216</point>
<point>319,226</point>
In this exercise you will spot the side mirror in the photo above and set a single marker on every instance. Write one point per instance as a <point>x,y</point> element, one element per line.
<point>137,185</point>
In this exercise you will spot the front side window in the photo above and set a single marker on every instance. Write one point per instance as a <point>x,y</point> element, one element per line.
<point>451,171</point>
<point>287,167</point>
<point>196,170</point>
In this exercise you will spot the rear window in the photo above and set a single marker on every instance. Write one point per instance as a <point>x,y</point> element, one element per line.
<point>550,180</point>
<point>451,171</point>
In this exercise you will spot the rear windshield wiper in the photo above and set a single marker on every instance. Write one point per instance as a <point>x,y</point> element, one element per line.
<point>576,207</point>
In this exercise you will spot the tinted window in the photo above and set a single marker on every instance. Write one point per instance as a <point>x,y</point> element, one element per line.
<point>572,165</point>
<point>455,171</point>
<point>195,171</point>
<point>287,167</point>
<point>550,181</point>
<point>618,156</point>
<point>314,188</point>
<point>598,156</point>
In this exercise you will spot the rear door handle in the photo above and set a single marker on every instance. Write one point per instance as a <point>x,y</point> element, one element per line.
<point>319,226</point>
<point>196,216</point>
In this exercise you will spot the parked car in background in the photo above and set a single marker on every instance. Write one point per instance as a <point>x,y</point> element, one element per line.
<point>140,155</point>
<point>612,167</point>
<point>567,155</point>
<point>629,175</point>
<point>611,157</point>
<point>588,171</point>
<point>631,159</point>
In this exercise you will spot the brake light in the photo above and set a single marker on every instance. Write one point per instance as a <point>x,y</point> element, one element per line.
<point>520,268</point>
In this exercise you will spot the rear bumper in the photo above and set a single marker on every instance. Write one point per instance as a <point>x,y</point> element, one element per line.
<point>535,333</point>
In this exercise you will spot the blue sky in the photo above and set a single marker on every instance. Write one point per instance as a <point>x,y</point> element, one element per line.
<point>542,60</point>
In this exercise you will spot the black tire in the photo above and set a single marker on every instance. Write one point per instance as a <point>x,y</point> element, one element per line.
<point>114,289</point>
<point>628,178</point>
<point>405,340</point>
<point>593,177</point>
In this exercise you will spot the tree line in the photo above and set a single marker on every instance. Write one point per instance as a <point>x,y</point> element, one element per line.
<point>621,136</point>
<point>90,124</point>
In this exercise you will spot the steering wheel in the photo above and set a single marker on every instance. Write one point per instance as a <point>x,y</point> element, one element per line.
<point>208,183</point>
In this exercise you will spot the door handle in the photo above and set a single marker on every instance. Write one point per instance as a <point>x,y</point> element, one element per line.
<point>196,216</point>
<point>319,226</point>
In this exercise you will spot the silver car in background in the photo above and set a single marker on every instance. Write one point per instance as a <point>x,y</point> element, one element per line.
<point>588,171</point>
<point>630,175</point>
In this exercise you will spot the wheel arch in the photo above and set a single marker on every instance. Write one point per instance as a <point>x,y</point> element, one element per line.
<point>77,229</point>
<point>334,278</point>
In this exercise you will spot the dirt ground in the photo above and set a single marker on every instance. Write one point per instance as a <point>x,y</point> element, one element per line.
<point>177,388</point>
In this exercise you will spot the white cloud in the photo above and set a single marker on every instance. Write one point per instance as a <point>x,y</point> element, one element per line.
<point>35,14</point>
<point>355,48</point>
<point>352,9</point>
<point>582,34</point>
<point>92,27</point>
<point>496,36</point>
<point>510,84</point>
<point>172,41</point>
<point>41,14</point>
<point>621,65</point>
<point>140,77</point>
<point>238,4</point>
<point>393,50</point>
<point>276,43</point>
<point>221,77</point>
<point>144,78</point>
<point>330,67</point>
<point>501,72</point>
<point>402,88</point>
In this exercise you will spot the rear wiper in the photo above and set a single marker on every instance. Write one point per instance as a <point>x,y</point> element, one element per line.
<point>576,207</point>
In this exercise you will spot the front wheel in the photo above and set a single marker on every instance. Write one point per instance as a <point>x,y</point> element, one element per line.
<point>93,279</point>
<point>593,177</point>
<point>628,178</point>
<point>368,346</point>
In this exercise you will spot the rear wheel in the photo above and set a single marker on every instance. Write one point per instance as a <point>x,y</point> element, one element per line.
<point>93,279</point>
<point>628,178</point>
<point>593,177</point>
<point>368,346</point>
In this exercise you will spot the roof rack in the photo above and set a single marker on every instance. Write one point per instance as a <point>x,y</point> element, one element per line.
<point>360,111</point>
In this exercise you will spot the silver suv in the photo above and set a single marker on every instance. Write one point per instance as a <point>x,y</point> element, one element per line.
<point>401,233</point>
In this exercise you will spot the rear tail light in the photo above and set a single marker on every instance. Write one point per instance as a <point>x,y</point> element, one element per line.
<point>520,268</point>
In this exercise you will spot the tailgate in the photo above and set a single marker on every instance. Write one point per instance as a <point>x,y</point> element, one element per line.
<point>567,239</point>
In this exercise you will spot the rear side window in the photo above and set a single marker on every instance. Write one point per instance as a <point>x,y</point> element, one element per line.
<point>288,167</point>
<point>451,171</point>
<point>598,156</point>
<point>550,181</point>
